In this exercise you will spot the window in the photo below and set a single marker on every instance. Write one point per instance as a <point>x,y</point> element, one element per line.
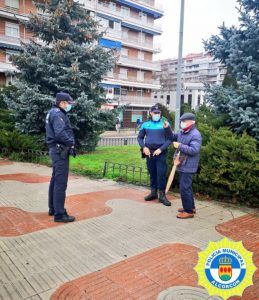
<point>111,24</point>
<point>12,3</point>
<point>168,99</point>
<point>125,11</point>
<point>12,29</point>
<point>140,76</point>
<point>162,97</point>
<point>155,96</point>
<point>112,6</point>
<point>141,55</point>
<point>182,99</point>
<point>123,73</point>
<point>124,92</point>
<point>140,93</point>
<point>190,100</point>
<point>124,52</point>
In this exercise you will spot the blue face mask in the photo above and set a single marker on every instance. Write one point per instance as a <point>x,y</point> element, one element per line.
<point>183,125</point>
<point>156,118</point>
<point>68,108</point>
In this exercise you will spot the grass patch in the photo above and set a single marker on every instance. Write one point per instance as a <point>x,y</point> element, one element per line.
<point>92,164</point>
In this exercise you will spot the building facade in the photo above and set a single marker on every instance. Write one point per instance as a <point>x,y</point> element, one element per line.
<point>197,69</point>
<point>12,33</point>
<point>129,26</point>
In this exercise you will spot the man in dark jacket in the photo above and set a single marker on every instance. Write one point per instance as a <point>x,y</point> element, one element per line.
<point>154,143</point>
<point>188,144</point>
<point>61,141</point>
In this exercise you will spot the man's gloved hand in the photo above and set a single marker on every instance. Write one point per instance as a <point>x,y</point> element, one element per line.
<point>176,145</point>
<point>72,151</point>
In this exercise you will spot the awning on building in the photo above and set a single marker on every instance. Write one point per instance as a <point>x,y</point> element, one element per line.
<point>110,44</point>
<point>107,85</point>
<point>10,46</point>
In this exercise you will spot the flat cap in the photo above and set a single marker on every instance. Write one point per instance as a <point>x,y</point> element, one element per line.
<point>187,116</point>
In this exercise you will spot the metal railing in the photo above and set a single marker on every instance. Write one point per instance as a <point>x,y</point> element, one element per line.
<point>138,63</point>
<point>117,141</point>
<point>126,173</point>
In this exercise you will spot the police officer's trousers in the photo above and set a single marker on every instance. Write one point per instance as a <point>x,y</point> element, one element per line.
<point>186,191</point>
<point>157,168</point>
<point>58,183</point>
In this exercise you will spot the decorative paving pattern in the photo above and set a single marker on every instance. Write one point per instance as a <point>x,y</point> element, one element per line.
<point>5,162</point>
<point>141,277</point>
<point>25,177</point>
<point>185,293</point>
<point>160,250</point>
<point>14,221</point>
<point>245,229</point>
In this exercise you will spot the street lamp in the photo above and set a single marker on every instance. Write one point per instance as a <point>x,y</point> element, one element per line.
<point>179,70</point>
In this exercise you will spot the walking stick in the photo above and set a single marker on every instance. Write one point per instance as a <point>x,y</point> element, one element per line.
<point>171,176</point>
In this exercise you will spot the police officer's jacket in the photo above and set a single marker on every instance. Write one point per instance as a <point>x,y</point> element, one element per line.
<point>58,128</point>
<point>153,136</point>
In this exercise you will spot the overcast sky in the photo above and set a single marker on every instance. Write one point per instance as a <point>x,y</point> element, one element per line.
<point>202,18</point>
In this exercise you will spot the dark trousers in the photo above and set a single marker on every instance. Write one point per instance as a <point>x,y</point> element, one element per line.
<point>58,182</point>
<point>186,191</point>
<point>157,168</point>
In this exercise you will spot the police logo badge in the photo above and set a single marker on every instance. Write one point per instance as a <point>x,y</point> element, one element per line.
<point>225,268</point>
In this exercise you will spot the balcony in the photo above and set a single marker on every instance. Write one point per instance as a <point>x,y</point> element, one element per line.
<point>136,100</point>
<point>139,64</point>
<point>112,11</point>
<point>126,80</point>
<point>139,42</point>
<point>12,40</point>
<point>151,4</point>
<point>13,13</point>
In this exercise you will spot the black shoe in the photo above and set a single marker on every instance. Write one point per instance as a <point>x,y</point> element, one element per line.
<point>65,218</point>
<point>152,196</point>
<point>162,199</point>
<point>51,212</point>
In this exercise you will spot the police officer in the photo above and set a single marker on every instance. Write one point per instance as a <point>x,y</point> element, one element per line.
<point>61,141</point>
<point>154,142</point>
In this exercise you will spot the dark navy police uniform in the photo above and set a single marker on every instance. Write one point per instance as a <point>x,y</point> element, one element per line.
<point>58,132</point>
<point>153,136</point>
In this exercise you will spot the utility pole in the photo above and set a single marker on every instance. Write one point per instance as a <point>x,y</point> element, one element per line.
<point>179,70</point>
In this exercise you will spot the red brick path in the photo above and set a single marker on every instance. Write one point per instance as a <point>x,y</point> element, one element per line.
<point>5,162</point>
<point>141,277</point>
<point>25,177</point>
<point>146,275</point>
<point>245,229</point>
<point>14,221</point>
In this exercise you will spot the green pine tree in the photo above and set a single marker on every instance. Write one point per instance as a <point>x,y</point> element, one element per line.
<point>237,48</point>
<point>64,57</point>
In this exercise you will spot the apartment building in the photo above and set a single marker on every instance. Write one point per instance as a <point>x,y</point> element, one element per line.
<point>130,27</point>
<point>197,69</point>
<point>12,33</point>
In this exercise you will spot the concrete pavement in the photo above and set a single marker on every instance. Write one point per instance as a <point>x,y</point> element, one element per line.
<point>40,261</point>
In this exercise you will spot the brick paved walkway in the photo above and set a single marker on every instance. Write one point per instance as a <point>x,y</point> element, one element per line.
<point>136,248</point>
